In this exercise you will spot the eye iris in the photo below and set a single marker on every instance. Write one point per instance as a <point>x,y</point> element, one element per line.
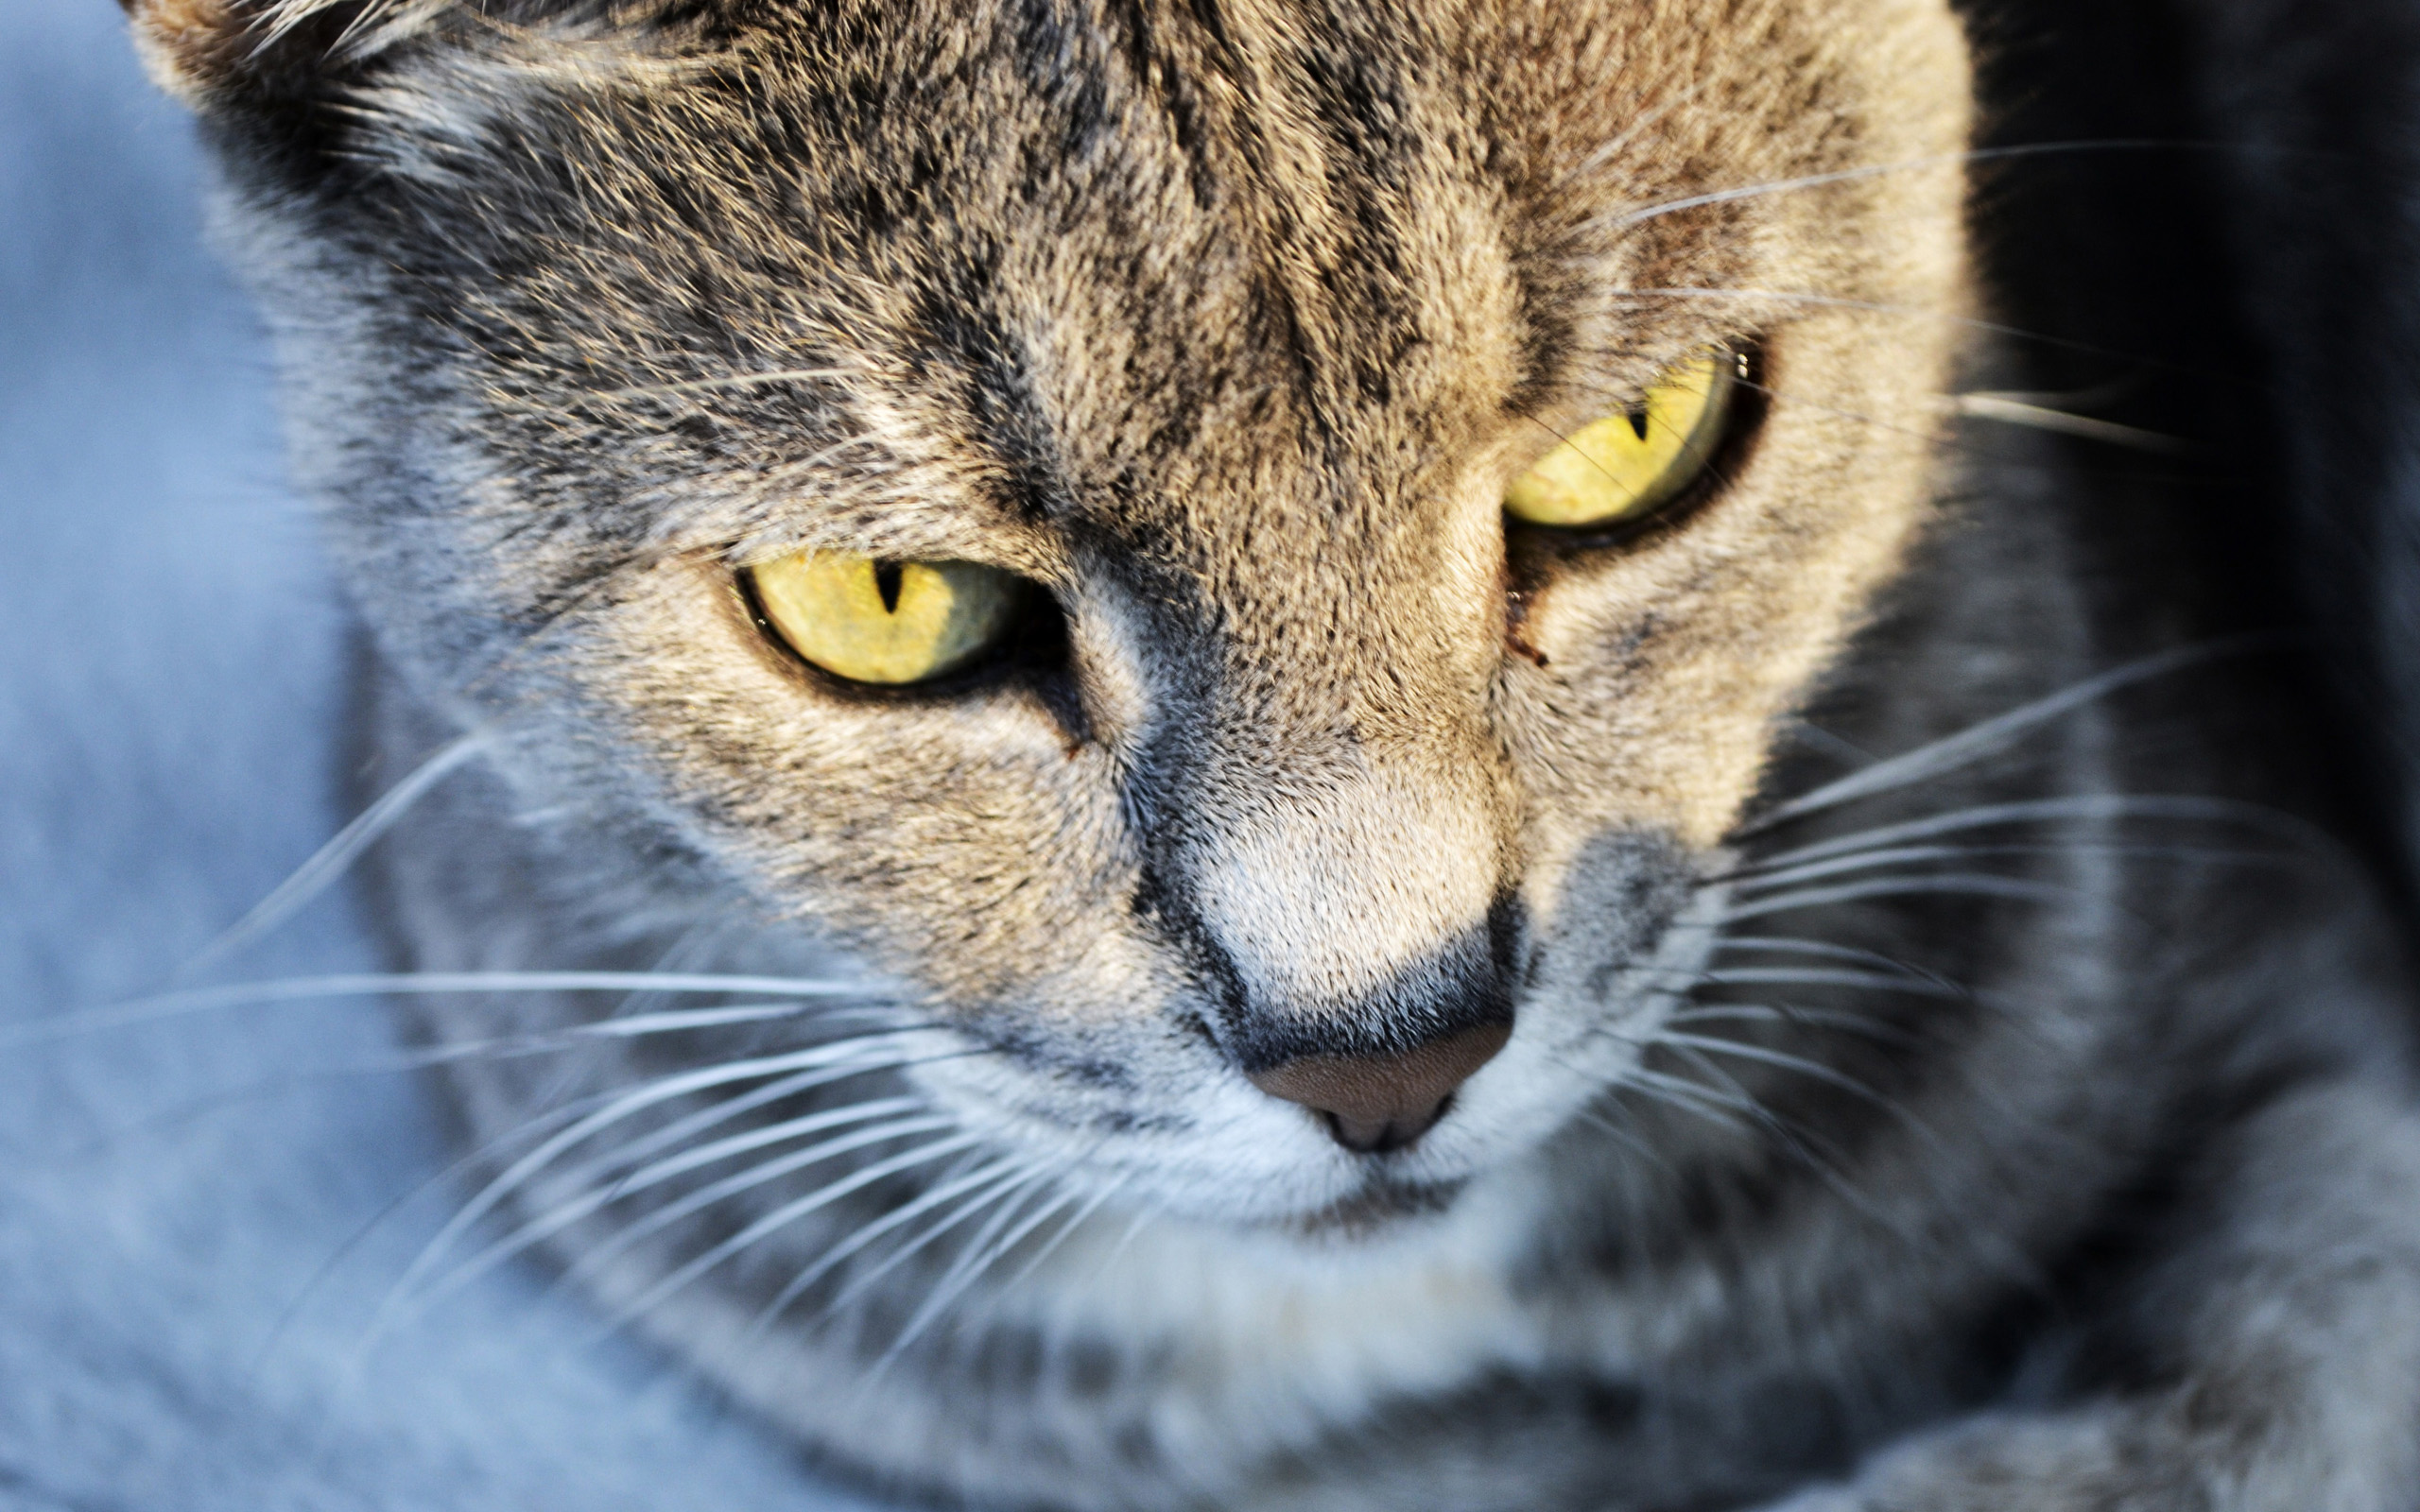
<point>1625,466</point>
<point>888,622</point>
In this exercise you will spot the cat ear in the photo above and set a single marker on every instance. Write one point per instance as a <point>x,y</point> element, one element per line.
<point>216,53</point>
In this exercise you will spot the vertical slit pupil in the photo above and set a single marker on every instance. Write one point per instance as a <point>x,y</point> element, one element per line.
<point>1638,423</point>
<point>886,582</point>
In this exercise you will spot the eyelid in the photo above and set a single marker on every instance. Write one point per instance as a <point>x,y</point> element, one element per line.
<point>1027,553</point>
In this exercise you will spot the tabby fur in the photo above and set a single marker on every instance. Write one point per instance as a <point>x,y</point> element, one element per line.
<point>2051,1150</point>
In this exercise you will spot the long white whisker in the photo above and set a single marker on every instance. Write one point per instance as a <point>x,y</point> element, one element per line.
<point>1954,885</point>
<point>2003,410</point>
<point>1133,1231</point>
<point>790,1212</point>
<point>1976,741</point>
<point>639,1026</point>
<point>1932,435</point>
<point>637,1149</point>
<point>1795,1141</point>
<point>2094,806</point>
<point>1606,153</point>
<point>562,1215</point>
<point>1799,976</point>
<point>754,1176</point>
<point>645,1177</point>
<point>935,1305</point>
<point>332,860</point>
<point>468,1161</point>
<point>982,1251</point>
<point>1633,1142</point>
<point>1681,1092</point>
<point>1001,1171</point>
<point>404,1062</point>
<point>1092,1204</point>
<point>970,1256</point>
<point>659,1090</point>
<point>606,1029</point>
<point>630,1153</point>
<point>1816,181</point>
<point>1782,1060</point>
<point>1824,950</point>
<point>1015,1176</point>
<point>1859,1023</point>
<point>1751,880</point>
<point>420,984</point>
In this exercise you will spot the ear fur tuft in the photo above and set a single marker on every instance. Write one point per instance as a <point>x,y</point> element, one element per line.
<point>208,52</point>
<point>189,47</point>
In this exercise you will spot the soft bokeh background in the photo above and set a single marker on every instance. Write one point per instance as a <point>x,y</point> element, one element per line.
<point>198,1218</point>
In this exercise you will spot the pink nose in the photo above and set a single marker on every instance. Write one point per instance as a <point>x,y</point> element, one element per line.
<point>1373,1103</point>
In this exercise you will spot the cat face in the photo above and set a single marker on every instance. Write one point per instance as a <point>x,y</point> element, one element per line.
<point>1225,329</point>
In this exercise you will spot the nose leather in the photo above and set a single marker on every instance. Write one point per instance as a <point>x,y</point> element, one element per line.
<point>1373,1103</point>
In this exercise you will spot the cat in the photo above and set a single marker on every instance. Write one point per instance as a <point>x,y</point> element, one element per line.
<point>1299,764</point>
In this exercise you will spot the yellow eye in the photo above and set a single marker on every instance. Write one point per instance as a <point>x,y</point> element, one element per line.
<point>1626,466</point>
<point>886,622</point>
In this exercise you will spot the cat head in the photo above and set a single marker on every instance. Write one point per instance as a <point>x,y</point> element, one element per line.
<point>1021,490</point>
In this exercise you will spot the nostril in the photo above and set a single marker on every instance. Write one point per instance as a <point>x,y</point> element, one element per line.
<point>1373,1103</point>
<point>1364,1138</point>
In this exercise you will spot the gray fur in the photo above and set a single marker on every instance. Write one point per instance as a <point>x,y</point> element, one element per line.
<point>2075,1174</point>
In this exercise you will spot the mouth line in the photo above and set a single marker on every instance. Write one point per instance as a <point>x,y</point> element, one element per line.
<point>1380,1203</point>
